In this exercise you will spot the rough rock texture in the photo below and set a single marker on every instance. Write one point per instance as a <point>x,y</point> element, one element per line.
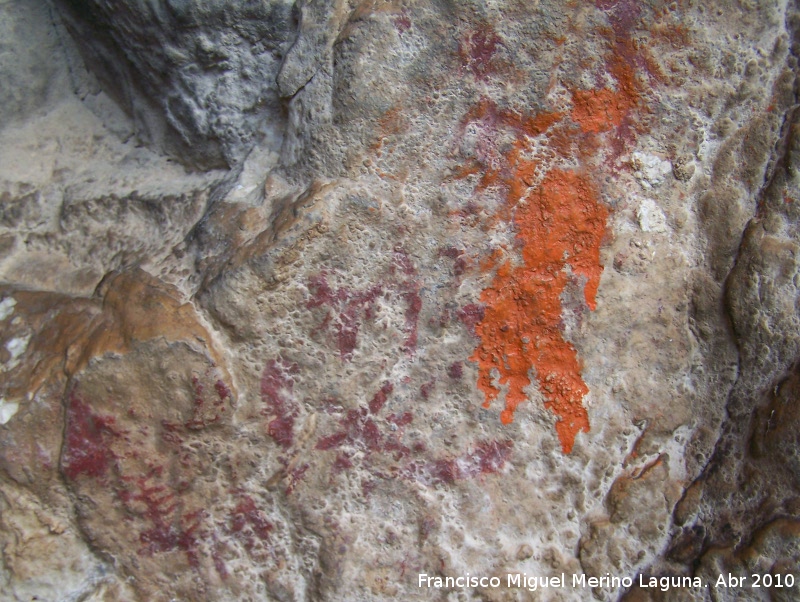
<point>299,301</point>
<point>198,78</point>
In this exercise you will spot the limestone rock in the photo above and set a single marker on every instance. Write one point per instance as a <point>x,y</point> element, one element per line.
<point>301,301</point>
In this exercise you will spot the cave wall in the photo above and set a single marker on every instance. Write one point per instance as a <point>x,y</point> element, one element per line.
<point>301,300</point>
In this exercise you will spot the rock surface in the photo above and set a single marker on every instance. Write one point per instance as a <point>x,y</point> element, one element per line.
<point>300,301</point>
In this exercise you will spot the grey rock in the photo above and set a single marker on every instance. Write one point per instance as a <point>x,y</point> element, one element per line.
<point>198,77</point>
<point>489,287</point>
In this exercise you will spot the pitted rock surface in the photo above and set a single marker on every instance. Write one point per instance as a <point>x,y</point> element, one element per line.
<point>299,301</point>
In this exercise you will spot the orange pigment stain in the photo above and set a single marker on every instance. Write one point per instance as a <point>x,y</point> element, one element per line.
<point>560,224</point>
<point>597,110</point>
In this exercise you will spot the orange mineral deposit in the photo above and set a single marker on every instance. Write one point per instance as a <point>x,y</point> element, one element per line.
<point>559,223</point>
